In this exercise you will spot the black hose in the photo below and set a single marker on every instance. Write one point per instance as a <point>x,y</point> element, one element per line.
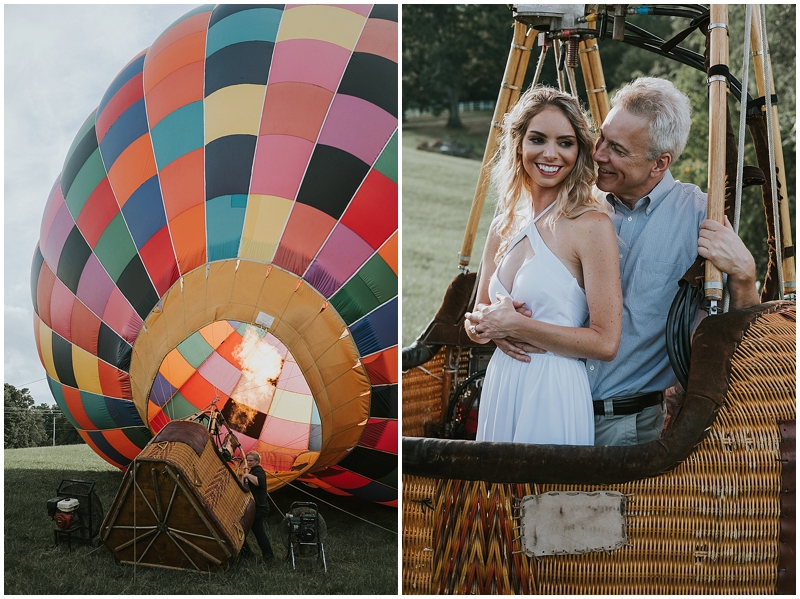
<point>680,322</point>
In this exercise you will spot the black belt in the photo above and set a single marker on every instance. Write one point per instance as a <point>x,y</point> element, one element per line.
<point>632,404</point>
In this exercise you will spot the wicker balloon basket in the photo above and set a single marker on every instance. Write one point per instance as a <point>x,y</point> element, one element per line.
<point>179,506</point>
<point>721,521</point>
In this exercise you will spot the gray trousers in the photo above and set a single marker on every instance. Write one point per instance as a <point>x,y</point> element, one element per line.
<point>631,429</point>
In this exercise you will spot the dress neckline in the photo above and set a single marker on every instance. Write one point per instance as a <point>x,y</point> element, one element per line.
<point>543,212</point>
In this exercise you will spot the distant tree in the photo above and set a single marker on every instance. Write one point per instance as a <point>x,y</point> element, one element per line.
<point>453,52</point>
<point>54,419</point>
<point>23,426</point>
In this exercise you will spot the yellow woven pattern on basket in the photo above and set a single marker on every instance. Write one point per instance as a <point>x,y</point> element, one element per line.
<point>422,396</point>
<point>419,499</point>
<point>480,557</point>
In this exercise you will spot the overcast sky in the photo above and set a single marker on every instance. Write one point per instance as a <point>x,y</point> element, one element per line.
<point>59,60</point>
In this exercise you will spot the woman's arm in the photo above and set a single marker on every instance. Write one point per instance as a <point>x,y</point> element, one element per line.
<point>488,267</point>
<point>594,244</point>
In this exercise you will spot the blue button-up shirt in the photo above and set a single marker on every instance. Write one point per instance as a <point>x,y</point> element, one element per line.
<point>657,244</point>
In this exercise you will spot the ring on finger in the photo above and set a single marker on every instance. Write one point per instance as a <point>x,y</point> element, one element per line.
<point>472,329</point>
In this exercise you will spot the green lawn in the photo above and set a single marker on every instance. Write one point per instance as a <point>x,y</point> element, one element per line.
<point>437,195</point>
<point>361,557</point>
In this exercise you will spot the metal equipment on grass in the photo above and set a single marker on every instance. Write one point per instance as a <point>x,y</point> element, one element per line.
<point>304,529</point>
<point>76,511</point>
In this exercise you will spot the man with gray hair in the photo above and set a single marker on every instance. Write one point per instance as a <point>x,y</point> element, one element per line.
<point>661,228</point>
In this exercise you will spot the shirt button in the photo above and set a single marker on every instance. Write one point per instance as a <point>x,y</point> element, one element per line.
<point>591,367</point>
<point>630,218</point>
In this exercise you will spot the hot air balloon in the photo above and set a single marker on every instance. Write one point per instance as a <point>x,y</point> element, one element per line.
<point>224,232</point>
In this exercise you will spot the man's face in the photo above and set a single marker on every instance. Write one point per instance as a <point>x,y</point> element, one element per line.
<point>251,461</point>
<point>620,156</point>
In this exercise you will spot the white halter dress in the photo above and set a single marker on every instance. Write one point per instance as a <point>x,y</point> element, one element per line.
<point>546,400</point>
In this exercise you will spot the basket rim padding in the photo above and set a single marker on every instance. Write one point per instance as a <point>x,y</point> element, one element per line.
<point>714,343</point>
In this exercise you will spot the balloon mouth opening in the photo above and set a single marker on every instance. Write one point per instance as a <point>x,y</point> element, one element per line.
<point>252,378</point>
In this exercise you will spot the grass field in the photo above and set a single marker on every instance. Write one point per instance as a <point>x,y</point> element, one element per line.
<point>362,558</point>
<point>437,195</point>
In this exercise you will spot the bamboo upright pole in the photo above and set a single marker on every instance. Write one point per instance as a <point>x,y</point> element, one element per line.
<point>593,78</point>
<point>717,90</point>
<point>517,64</point>
<point>788,263</point>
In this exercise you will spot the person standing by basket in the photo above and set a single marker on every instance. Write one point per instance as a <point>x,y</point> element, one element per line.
<point>550,265</point>
<point>256,481</point>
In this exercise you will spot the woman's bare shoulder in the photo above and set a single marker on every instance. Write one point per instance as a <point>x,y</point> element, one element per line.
<point>594,228</point>
<point>593,219</point>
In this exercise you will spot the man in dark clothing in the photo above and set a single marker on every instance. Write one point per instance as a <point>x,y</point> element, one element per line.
<point>256,480</point>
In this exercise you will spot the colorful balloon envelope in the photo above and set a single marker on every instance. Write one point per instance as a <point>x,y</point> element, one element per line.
<point>224,232</point>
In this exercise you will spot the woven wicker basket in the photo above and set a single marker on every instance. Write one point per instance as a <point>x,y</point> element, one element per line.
<point>179,505</point>
<point>710,525</point>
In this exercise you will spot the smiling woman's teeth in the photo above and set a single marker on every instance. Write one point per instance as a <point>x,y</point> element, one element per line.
<point>548,169</point>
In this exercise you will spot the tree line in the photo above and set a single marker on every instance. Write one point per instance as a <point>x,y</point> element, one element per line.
<point>454,53</point>
<point>29,425</point>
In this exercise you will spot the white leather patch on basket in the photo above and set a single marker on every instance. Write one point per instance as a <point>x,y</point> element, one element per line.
<point>568,522</point>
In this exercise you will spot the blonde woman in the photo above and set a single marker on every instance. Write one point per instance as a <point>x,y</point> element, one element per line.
<point>549,278</point>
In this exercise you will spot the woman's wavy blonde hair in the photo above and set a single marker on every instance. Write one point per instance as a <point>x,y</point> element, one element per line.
<point>511,180</point>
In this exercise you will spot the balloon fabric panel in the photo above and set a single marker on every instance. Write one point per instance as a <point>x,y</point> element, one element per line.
<point>85,327</point>
<point>374,284</point>
<point>120,104</point>
<point>97,213</point>
<point>228,164</point>
<point>333,24</point>
<point>377,330</point>
<point>298,110</point>
<point>82,147</point>
<point>177,134</point>
<point>379,36</point>
<point>372,78</point>
<point>265,220</point>
<point>373,212</point>
<point>58,233</point>
<point>309,60</point>
<point>305,231</point>
<point>36,270</point>
<point>383,403</point>
<point>178,89</point>
<point>74,255</point>
<point>357,127</point>
<point>342,254</point>
<point>249,24</point>
<point>90,175</point>
<point>281,162</point>
<point>332,179</point>
<point>129,71</point>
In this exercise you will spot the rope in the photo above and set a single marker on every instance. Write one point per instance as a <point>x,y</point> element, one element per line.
<point>559,53</point>
<point>742,122</point>
<point>540,65</point>
<point>322,501</point>
<point>571,78</point>
<point>771,142</point>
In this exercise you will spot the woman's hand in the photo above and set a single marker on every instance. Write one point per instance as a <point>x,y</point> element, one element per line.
<point>494,321</point>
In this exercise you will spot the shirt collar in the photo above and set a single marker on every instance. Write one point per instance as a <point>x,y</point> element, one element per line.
<point>652,200</point>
